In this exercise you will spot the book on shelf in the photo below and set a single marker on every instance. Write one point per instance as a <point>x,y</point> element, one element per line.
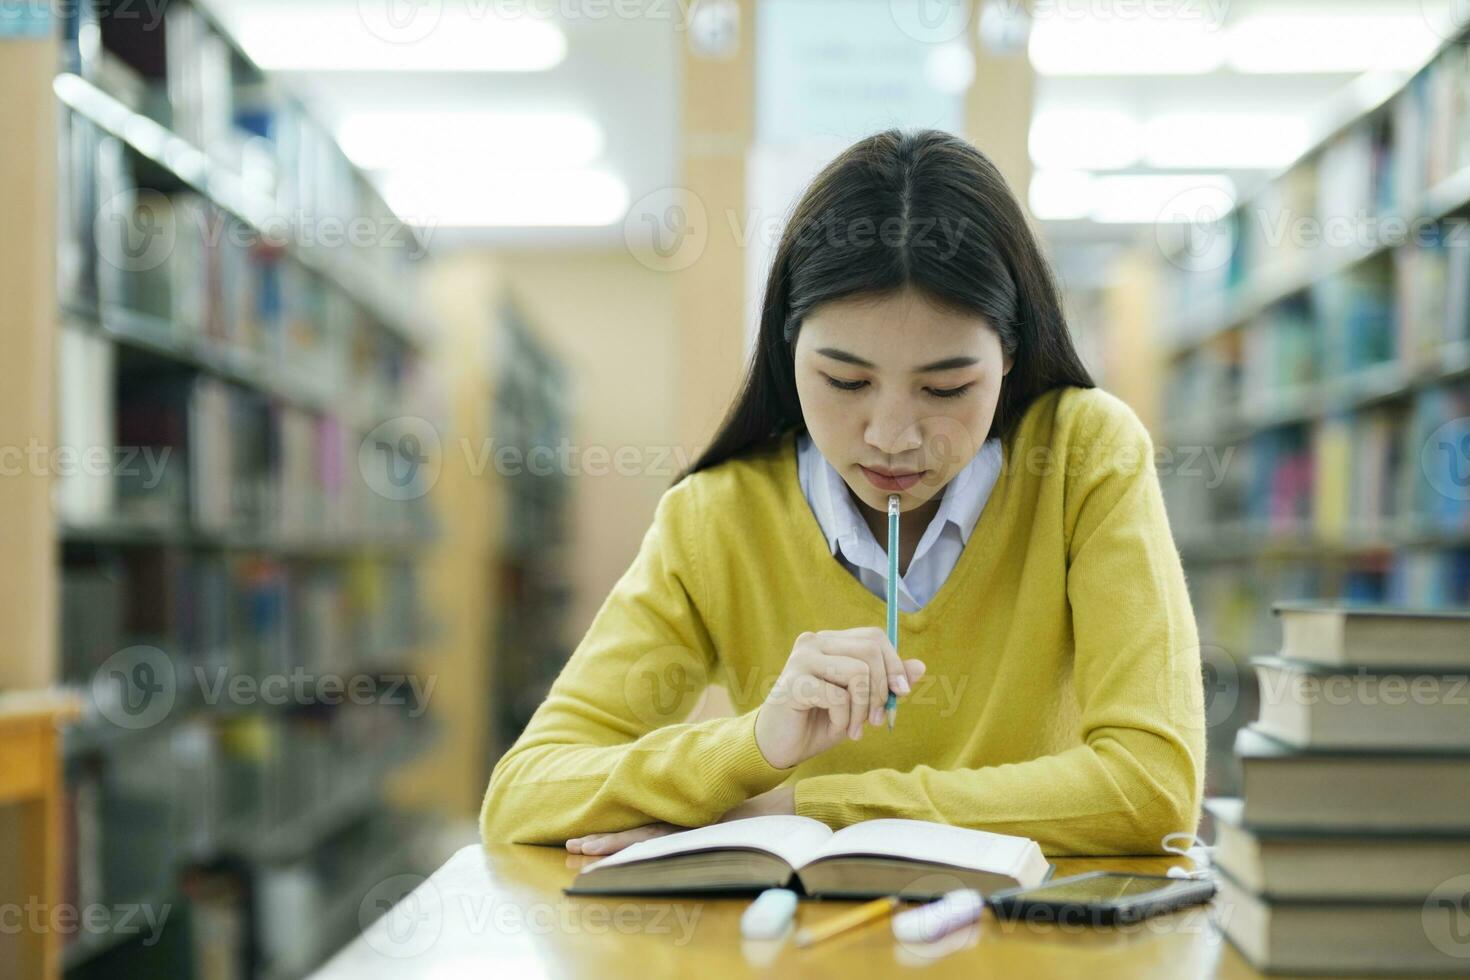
<point>84,490</point>
<point>1336,635</point>
<point>914,859</point>
<point>1316,706</point>
<point>1338,937</point>
<point>1302,864</point>
<point>1344,854</point>
<point>1402,791</point>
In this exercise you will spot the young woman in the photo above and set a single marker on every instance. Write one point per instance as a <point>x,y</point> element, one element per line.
<point>911,342</point>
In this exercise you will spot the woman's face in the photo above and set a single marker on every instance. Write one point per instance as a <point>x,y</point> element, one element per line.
<point>898,393</point>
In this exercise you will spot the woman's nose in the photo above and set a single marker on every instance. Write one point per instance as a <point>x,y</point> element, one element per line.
<point>893,438</point>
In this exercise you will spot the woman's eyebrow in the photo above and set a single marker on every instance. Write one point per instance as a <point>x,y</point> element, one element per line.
<point>945,364</point>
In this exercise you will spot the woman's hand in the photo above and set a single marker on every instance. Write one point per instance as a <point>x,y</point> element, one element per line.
<point>834,683</point>
<point>611,843</point>
<point>782,799</point>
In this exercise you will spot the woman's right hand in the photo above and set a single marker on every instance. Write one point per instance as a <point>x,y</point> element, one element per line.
<point>834,683</point>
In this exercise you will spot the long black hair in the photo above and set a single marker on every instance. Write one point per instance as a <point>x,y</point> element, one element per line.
<point>904,208</point>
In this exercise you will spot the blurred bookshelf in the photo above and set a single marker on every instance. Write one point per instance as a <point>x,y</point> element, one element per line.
<point>1316,388</point>
<point>530,419</point>
<point>237,331</point>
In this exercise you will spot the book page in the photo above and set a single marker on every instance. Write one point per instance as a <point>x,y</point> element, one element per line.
<point>924,840</point>
<point>789,837</point>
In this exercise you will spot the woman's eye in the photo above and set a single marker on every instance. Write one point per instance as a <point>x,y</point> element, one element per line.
<point>844,385</point>
<point>950,392</point>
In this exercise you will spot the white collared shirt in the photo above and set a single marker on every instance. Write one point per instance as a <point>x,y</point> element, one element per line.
<point>852,542</point>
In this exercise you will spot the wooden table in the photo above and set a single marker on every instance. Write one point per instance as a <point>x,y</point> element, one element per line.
<point>499,912</point>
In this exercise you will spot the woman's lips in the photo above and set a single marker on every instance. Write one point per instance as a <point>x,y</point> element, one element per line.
<point>892,484</point>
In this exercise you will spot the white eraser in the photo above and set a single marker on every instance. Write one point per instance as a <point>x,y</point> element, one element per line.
<point>768,916</point>
<point>929,922</point>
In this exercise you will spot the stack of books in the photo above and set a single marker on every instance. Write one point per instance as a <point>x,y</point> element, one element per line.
<point>1350,849</point>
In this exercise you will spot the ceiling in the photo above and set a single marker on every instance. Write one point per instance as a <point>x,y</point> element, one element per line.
<point>623,73</point>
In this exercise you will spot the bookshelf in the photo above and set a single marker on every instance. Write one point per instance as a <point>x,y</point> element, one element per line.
<point>532,564</point>
<point>223,355</point>
<point>1316,388</point>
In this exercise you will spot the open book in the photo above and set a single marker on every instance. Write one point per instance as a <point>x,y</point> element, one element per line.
<point>913,859</point>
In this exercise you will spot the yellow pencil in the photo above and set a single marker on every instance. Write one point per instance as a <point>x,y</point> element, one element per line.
<point>867,912</point>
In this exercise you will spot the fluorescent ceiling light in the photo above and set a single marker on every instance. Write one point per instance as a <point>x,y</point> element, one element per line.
<point>466,197</point>
<point>413,140</point>
<point>1150,198</point>
<point>1330,43</point>
<point>1224,140</point>
<point>1084,139</point>
<point>1080,46</point>
<point>1060,195</point>
<point>437,39</point>
<point>1334,43</point>
<point>1127,198</point>
<point>950,67</point>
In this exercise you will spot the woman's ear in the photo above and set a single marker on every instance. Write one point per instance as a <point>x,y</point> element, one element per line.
<point>1008,362</point>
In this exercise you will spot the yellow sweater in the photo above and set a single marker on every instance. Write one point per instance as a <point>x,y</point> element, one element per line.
<point>1062,699</point>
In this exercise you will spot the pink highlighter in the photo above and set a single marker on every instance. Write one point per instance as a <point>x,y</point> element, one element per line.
<point>929,922</point>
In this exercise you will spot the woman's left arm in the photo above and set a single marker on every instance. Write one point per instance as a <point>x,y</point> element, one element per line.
<point>1138,773</point>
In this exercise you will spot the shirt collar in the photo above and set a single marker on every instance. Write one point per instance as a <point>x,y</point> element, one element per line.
<point>961,504</point>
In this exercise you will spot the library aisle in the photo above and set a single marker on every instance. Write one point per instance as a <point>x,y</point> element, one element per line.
<point>350,347</point>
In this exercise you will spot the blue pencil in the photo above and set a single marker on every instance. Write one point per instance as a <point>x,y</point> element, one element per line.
<point>891,709</point>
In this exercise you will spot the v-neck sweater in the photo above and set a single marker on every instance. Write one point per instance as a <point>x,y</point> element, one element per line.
<point>1062,699</point>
